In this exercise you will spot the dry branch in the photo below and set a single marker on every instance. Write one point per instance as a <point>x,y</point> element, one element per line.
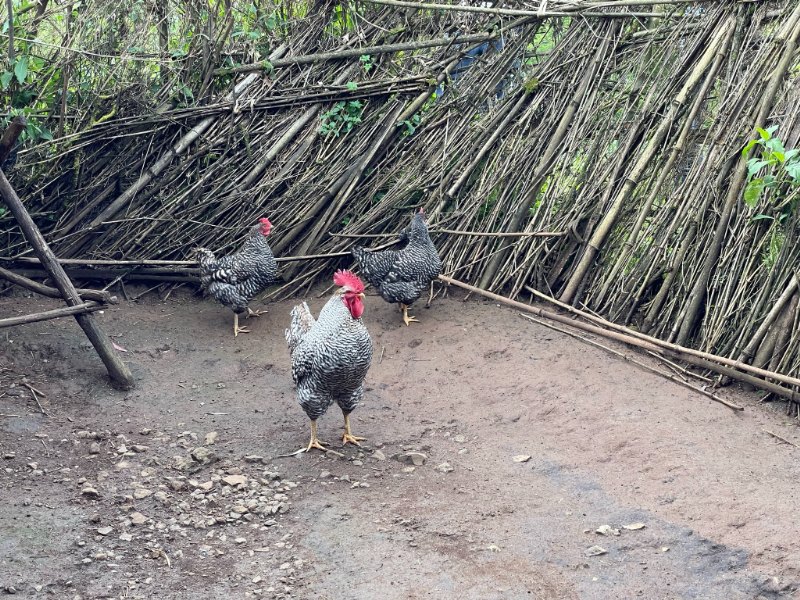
<point>78,309</point>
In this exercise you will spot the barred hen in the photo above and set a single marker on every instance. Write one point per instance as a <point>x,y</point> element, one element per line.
<point>235,279</point>
<point>331,356</point>
<point>400,276</point>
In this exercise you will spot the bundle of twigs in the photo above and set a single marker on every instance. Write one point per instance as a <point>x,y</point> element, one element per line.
<point>619,125</point>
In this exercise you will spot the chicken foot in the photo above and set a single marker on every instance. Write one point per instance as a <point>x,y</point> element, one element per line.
<point>236,329</point>
<point>315,442</point>
<point>348,435</point>
<point>406,318</point>
<point>255,313</point>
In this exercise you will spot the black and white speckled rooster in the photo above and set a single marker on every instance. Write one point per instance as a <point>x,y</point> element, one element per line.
<point>235,279</point>
<point>331,356</point>
<point>400,276</point>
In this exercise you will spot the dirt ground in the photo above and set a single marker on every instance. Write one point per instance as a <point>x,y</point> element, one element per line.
<point>102,498</point>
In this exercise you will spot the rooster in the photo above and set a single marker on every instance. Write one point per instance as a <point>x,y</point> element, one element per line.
<point>331,356</point>
<point>400,276</point>
<point>235,279</point>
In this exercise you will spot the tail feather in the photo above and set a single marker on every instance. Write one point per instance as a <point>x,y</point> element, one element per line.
<point>207,261</point>
<point>302,322</point>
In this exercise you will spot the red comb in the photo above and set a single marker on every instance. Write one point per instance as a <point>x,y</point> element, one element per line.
<point>348,280</point>
<point>264,220</point>
<point>422,210</point>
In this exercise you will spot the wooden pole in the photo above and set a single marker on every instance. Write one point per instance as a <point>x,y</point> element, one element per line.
<point>652,344</point>
<point>120,374</point>
<point>13,131</point>
<point>78,309</point>
<point>96,295</point>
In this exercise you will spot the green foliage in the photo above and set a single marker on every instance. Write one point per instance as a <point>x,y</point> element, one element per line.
<point>531,85</point>
<point>352,86</point>
<point>35,129</point>
<point>779,165</point>
<point>410,125</point>
<point>366,62</point>
<point>341,118</point>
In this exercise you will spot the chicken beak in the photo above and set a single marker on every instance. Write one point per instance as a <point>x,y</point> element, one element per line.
<point>361,296</point>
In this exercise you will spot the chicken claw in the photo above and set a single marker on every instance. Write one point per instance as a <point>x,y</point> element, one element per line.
<point>348,436</point>
<point>406,318</point>
<point>315,442</point>
<point>255,313</point>
<point>236,329</point>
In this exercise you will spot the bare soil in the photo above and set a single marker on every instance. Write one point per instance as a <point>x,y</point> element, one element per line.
<point>473,385</point>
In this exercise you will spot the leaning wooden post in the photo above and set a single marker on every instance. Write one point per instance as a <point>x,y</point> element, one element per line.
<point>120,374</point>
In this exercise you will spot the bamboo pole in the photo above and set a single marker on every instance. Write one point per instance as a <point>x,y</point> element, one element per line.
<point>566,11</point>
<point>523,209</point>
<point>677,149</point>
<point>786,40</point>
<point>653,146</point>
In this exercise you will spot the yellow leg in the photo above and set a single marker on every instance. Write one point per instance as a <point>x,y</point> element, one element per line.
<point>255,313</point>
<point>236,329</point>
<point>348,435</point>
<point>406,318</point>
<point>315,443</point>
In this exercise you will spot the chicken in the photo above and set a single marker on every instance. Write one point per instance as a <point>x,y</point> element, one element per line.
<point>331,356</point>
<point>400,276</point>
<point>235,279</point>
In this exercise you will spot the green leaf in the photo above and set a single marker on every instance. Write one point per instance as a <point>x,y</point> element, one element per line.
<point>765,135</point>
<point>749,146</point>
<point>790,154</point>
<point>760,217</point>
<point>752,192</point>
<point>21,69</point>
<point>772,130</point>
<point>6,78</point>
<point>793,169</point>
<point>352,85</point>
<point>46,135</point>
<point>775,145</point>
<point>754,166</point>
<point>769,181</point>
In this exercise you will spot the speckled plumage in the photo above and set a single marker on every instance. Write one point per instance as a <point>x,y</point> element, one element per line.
<point>235,279</point>
<point>330,357</point>
<point>402,275</point>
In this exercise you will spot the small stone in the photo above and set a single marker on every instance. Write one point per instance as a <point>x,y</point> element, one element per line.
<point>409,469</point>
<point>10,456</point>
<point>105,530</point>
<point>142,493</point>
<point>607,530</point>
<point>206,486</point>
<point>240,509</point>
<point>463,451</point>
<point>445,467</point>
<point>415,458</point>
<point>122,449</point>
<point>253,458</point>
<point>234,480</point>
<point>521,458</point>
<point>138,518</point>
<point>94,448</point>
<point>634,526</point>
<point>358,463</point>
<point>665,549</point>
<point>378,455</point>
<point>211,438</point>
<point>595,551</point>
<point>270,523</point>
<point>161,497</point>
<point>125,537</point>
<point>101,556</point>
<point>256,579</point>
<point>459,439</point>
<point>204,456</point>
<point>146,431</point>
<point>90,492</point>
<point>95,518</point>
<point>177,484</point>
<point>240,541</point>
<point>10,589</point>
<point>324,474</point>
<point>140,448</point>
